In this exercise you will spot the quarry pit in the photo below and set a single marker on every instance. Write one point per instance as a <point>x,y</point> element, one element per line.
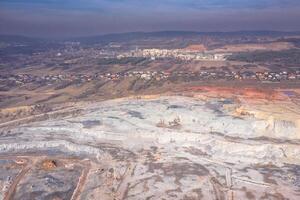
<point>210,145</point>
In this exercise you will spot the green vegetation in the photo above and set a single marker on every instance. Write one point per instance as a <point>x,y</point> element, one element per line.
<point>121,61</point>
<point>291,56</point>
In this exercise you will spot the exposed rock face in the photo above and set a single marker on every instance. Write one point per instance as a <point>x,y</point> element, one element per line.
<point>283,127</point>
<point>195,121</point>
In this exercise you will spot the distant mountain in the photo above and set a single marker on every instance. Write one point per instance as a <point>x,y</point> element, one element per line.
<point>119,37</point>
<point>15,44</point>
<point>18,39</point>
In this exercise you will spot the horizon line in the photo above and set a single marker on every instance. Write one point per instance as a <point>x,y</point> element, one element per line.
<point>147,32</point>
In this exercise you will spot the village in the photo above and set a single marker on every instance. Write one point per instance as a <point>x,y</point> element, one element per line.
<point>21,79</point>
<point>180,54</point>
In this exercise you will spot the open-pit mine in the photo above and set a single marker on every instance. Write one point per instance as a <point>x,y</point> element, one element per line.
<point>211,143</point>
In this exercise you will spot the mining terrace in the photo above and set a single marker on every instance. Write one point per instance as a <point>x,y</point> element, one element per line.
<point>206,143</point>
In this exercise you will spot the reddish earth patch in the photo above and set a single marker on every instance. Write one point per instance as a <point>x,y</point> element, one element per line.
<point>246,92</point>
<point>196,47</point>
<point>274,46</point>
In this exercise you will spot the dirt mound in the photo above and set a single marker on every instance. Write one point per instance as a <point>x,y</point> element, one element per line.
<point>49,164</point>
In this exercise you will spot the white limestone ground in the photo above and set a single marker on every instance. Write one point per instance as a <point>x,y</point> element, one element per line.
<point>208,154</point>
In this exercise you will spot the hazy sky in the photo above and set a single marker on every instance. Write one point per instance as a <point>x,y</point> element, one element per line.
<point>53,18</point>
